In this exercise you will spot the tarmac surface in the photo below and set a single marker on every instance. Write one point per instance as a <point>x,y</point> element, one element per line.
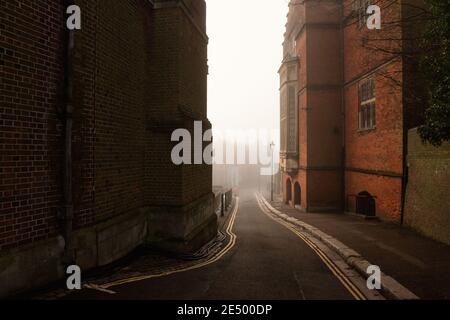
<point>419,263</point>
<point>267,262</point>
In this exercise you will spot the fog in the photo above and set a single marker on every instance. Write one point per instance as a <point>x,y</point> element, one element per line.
<point>244,56</point>
<point>245,53</point>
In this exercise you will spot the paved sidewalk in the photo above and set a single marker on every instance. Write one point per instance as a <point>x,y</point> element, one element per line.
<point>419,263</point>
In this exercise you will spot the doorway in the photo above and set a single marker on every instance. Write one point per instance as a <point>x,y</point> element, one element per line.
<point>288,191</point>
<point>297,195</point>
<point>365,204</point>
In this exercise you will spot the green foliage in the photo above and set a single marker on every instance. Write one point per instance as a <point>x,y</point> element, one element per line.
<point>435,65</point>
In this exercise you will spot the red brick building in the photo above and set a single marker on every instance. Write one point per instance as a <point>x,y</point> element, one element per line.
<point>85,134</point>
<point>345,108</point>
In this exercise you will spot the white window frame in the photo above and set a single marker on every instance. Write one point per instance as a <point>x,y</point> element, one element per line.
<point>366,121</point>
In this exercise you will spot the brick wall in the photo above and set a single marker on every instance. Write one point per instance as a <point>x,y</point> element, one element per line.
<point>134,68</point>
<point>193,66</point>
<point>427,200</point>
<point>140,71</point>
<point>30,128</point>
<point>84,116</point>
<point>178,76</point>
<point>382,148</point>
<point>319,48</point>
<point>334,55</point>
<point>120,102</point>
<point>367,49</point>
<point>374,158</point>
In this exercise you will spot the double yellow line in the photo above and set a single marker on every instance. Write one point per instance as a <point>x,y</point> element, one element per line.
<point>205,263</point>
<point>354,290</point>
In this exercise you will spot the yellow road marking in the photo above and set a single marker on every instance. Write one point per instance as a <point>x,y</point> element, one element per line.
<point>354,291</point>
<point>211,260</point>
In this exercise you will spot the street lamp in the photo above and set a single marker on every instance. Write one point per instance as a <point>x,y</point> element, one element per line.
<point>272,147</point>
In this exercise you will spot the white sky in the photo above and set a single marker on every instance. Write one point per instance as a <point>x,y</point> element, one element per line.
<point>245,53</point>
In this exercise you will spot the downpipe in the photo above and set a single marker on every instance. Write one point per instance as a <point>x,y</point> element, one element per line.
<point>67,209</point>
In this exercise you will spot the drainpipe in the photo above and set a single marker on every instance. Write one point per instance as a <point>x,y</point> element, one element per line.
<point>404,155</point>
<point>343,114</point>
<point>67,210</point>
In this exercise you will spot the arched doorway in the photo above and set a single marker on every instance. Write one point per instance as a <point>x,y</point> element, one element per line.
<point>365,204</point>
<point>288,191</point>
<point>297,195</point>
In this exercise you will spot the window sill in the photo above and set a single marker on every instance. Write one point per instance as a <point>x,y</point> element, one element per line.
<point>366,131</point>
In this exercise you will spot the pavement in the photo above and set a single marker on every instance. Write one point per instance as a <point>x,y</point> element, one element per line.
<point>420,264</point>
<point>266,261</point>
<point>269,254</point>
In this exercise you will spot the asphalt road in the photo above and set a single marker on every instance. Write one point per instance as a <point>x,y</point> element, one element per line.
<point>267,262</point>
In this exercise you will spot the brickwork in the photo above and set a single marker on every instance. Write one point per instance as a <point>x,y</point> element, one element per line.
<point>314,27</point>
<point>136,68</point>
<point>374,158</point>
<point>84,116</point>
<point>120,89</point>
<point>337,159</point>
<point>427,200</point>
<point>178,76</point>
<point>30,129</point>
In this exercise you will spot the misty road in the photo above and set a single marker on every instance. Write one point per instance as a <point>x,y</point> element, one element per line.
<point>267,262</point>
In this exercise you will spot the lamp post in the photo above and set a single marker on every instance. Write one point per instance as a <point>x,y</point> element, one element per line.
<point>272,147</point>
